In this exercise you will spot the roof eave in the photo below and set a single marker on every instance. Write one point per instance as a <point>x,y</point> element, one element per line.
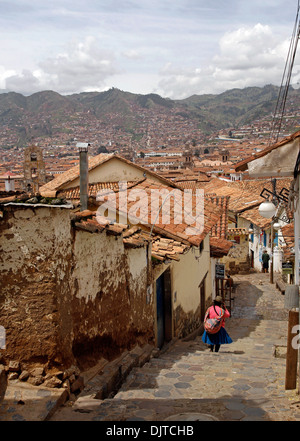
<point>289,142</point>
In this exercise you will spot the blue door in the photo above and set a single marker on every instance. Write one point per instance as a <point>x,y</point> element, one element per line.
<point>160,311</point>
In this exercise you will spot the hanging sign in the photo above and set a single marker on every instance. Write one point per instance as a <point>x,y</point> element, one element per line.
<point>287,268</point>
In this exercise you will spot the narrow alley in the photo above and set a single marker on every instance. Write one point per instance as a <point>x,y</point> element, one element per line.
<point>245,381</point>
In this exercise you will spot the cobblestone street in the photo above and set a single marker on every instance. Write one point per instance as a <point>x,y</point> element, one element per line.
<point>243,382</point>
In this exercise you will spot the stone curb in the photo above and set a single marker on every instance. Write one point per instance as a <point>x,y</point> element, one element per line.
<point>110,378</point>
<point>98,383</point>
<point>3,383</point>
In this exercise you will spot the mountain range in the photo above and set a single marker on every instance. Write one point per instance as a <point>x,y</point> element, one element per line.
<point>43,113</point>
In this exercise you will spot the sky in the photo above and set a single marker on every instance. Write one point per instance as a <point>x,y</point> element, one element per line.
<point>176,48</point>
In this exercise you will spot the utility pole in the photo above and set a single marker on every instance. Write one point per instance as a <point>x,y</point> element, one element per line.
<point>272,235</point>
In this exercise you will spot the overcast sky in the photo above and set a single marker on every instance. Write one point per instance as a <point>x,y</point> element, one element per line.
<point>175,48</point>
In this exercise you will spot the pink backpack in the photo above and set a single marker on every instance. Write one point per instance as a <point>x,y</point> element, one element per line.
<point>213,325</point>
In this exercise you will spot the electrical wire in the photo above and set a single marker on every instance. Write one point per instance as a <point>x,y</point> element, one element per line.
<point>286,78</point>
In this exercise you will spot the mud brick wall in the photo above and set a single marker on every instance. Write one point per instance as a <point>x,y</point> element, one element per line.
<point>109,286</point>
<point>69,294</point>
<point>35,263</point>
<point>186,323</point>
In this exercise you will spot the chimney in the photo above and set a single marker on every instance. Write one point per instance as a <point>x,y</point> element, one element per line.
<point>9,182</point>
<point>84,174</point>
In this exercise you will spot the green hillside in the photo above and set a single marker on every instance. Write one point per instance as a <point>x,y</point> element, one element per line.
<point>44,113</point>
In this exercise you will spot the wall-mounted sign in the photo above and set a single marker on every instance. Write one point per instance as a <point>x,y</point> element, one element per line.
<point>287,268</point>
<point>220,271</point>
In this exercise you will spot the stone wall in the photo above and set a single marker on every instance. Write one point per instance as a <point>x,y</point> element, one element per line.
<point>237,260</point>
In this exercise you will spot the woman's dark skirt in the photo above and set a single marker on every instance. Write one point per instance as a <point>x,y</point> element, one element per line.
<point>220,338</point>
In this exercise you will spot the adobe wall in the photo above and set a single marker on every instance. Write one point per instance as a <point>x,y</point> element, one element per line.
<point>186,278</point>
<point>186,275</point>
<point>109,296</point>
<point>113,170</point>
<point>35,265</point>
<point>66,292</point>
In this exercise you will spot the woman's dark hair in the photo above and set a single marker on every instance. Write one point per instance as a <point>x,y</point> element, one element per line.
<point>217,303</point>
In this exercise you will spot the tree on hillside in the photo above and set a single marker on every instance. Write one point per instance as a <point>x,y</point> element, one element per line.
<point>102,149</point>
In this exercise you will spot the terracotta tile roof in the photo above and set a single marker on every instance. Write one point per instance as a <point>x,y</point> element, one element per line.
<point>288,234</point>
<point>169,239</point>
<point>219,230</point>
<point>93,162</point>
<point>191,183</point>
<point>162,248</point>
<point>255,218</point>
<point>174,225</point>
<point>172,217</point>
<point>73,173</point>
<point>8,199</point>
<point>87,220</point>
<point>244,195</point>
<point>219,247</point>
<point>242,165</point>
<point>240,199</point>
<point>289,239</point>
<point>93,189</point>
<point>237,231</point>
<point>134,237</point>
<point>257,185</point>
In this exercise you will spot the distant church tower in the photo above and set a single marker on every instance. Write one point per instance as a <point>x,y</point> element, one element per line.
<point>188,159</point>
<point>34,169</point>
<point>225,155</point>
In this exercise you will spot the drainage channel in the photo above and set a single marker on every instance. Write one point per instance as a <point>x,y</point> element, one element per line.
<point>107,383</point>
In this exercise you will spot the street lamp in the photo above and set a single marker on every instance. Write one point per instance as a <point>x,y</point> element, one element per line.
<point>267,209</point>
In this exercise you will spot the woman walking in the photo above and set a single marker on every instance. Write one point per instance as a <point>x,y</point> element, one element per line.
<point>215,340</point>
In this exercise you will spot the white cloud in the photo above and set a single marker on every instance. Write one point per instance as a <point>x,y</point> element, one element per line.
<point>132,54</point>
<point>4,74</point>
<point>249,56</point>
<point>25,82</point>
<point>83,66</point>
